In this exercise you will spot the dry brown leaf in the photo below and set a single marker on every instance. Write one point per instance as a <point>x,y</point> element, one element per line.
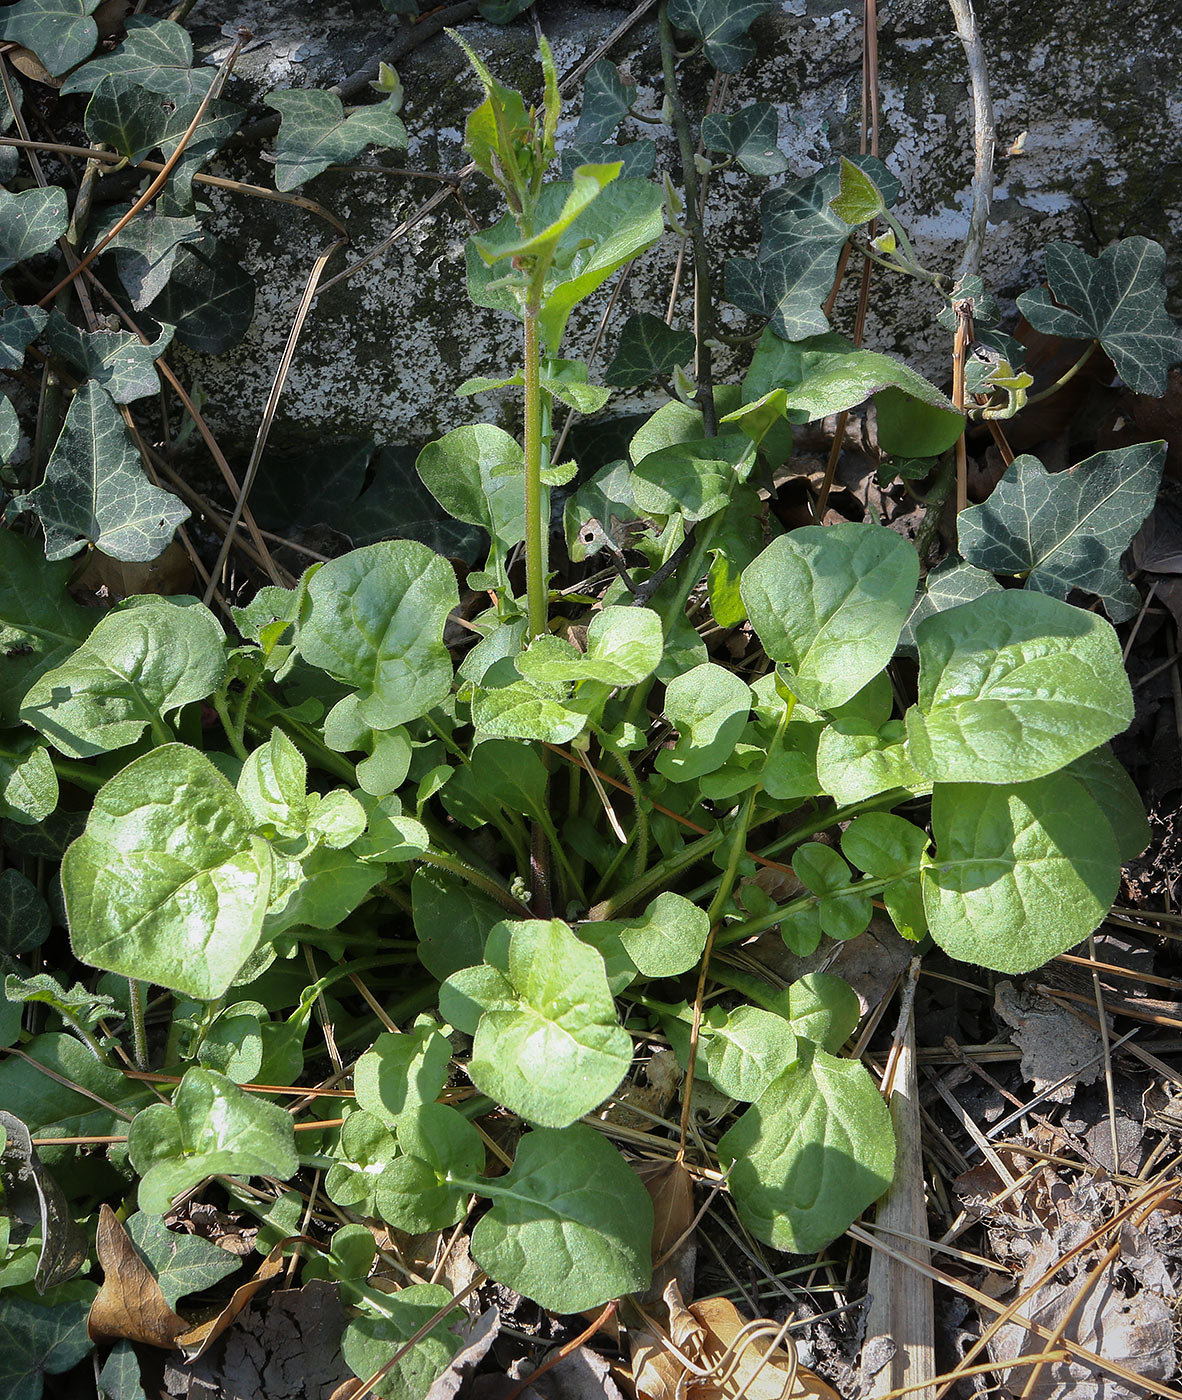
<point>108,580</point>
<point>751,1377</point>
<point>195,1341</point>
<point>130,1304</point>
<point>674,1251</point>
<point>656,1372</point>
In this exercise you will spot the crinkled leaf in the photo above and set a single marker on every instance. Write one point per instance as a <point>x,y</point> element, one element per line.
<point>28,782</point>
<point>1012,686</point>
<point>1115,793</point>
<point>722,26</point>
<point>376,623</point>
<point>624,646</point>
<point>156,53</point>
<point>1020,873</point>
<point>570,1224</point>
<point>60,32</point>
<point>1118,299</point>
<point>746,1050</point>
<point>1065,530</point>
<point>95,489</point>
<point>400,1072</point>
<point>137,666</point>
<point>821,1008</point>
<point>527,709</point>
<point>211,1128</point>
<point>558,1050</point>
<point>19,327</point>
<point>828,603</point>
<point>647,346</point>
<point>750,135</point>
<point>811,1154</point>
<point>117,360</point>
<point>857,759</point>
<point>708,706</point>
<point>694,479</point>
<point>315,133</point>
<point>370,1341</point>
<point>274,786</point>
<point>37,1340</point>
<point>208,297</point>
<point>168,883</point>
<point>947,586</point>
<point>30,222</point>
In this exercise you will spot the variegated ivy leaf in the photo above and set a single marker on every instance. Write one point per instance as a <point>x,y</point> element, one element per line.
<point>722,26</point>
<point>95,489</point>
<point>156,53</point>
<point>30,223</point>
<point>315,132</point>
<point>19,327</point>
<point>750,135</point>
<point>60,32</point>
<point>117,360</point>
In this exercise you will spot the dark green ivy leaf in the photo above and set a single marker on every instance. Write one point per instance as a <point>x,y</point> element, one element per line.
<point>1065,530</point>
<point>146,249</point>
<point>647,346</point>
<point>722,26</point>
<point>315,132</point>
<point>95,489</point>
<point>606,101</point>
<point>209,298</point>
<point>1117,298</point>
<point>117,360</point>
<point>638,157</point>
<point>19,327</point>
<point>30,223</point>
<point>60,32</point>
<point>37,1340</point>
<point>750,136</point>
<point>156,53</point>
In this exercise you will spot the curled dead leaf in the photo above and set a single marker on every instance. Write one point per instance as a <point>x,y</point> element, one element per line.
<point>194,1341</point>
<point>130,1304</point>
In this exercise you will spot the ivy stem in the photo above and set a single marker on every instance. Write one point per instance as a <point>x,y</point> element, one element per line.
<point>138,1001</point>
<point>1064,378</point>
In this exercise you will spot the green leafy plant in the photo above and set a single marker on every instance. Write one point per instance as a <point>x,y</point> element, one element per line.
<point>337,780</point>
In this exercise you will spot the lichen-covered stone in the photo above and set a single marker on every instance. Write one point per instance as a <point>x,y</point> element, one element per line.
<point>1093,87</point>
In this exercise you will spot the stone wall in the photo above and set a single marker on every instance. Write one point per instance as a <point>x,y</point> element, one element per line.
<point>1093,87</point>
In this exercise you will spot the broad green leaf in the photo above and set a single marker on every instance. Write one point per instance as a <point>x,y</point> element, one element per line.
<point>139,665</point>
<point>647,346</point>
<point>624,646</point>
<point>834,378</point>
<point>606,101</point>
<point>315,133</point>
<point>30,223</point>
<point>947,586</point>
<point>233,1044</point>
<point>708,706</point>
<point>746,1050</point>
<point>120,1377</point>
<point>274,786</point>
<point>117,360</point>
<point>570,1224</point>
<point>1013,686</point>
<point>40,624</point>
<point>451,920</point>
<point>694,479</point>
<point>828,603</point>
<point>376,623</point>
<point>859,199</point>
<point>840,911</point>
<point>722,26</point>
<point>527,709</point>
<point>1065,530</point>
<point>167,883</point>
<point>811,1154</point>
<point>370,1340</point>
<point>821,1008</point>
<point>401,1072</point>
<point>477,474</point>
<point>24,917</point>
<point>19,327</point>
<point>750,135</point>
<point>180,1263</point>
<point>667,939</point>
<point>208,297</point>
<point>1115,793</point>
<point>883,845</point>
<point>1020,873</point>
<point>412,1192</point>
<point>156,53</point>
<point>1117,299</point>
<point>912,427</point>
<point>37,1340</point>
<point>559,1050</point>
<point>146,250</point>
<point>60,32</point>
<point>674,422</point>
<point>128,117</point>
<point>857,759</point>
<point>211,1128</point>
<point>366,1146</point>
<point>584,186</point>
<point>61,1090</point>
<point>95,489</point>
<point>320,889</point>
<point>28,782</point>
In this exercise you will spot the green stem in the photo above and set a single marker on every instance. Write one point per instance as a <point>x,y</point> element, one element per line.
<point>737,933</point>
<point>535,526</point>
<point>139,1027</point>
<point>441,860</point>
<point>81,775</point>
<point>222,709</point>
<point>738,847</point>
<point>1064,378</point>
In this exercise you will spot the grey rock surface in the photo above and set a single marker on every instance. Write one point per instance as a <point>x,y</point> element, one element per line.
<point>1093,87</point>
